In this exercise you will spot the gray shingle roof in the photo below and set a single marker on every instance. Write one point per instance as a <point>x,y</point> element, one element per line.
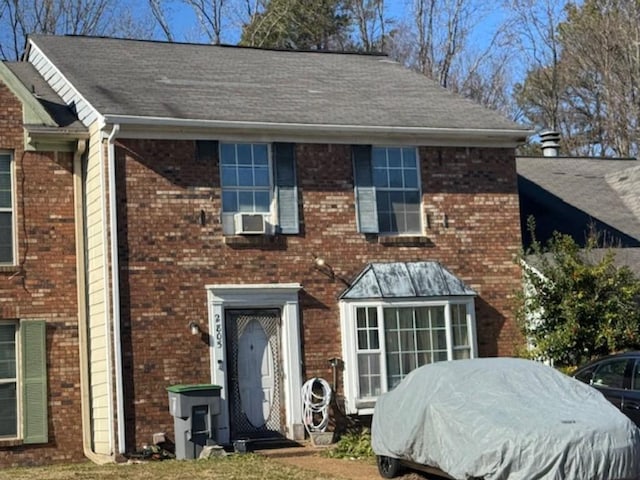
<point>606,190</point>
<point>405,280</point>
<point>53,104</point>
<point>205,82</point>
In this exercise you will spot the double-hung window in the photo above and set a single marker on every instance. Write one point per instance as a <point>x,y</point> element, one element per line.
<point>385,341</point>
<point>8,380</point>
<point>388,196</point>
<point>6,209</point>
<point>23,381</point>
<point>259,178</point>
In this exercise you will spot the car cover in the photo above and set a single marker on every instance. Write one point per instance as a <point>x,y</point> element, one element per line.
<point>505,418</point>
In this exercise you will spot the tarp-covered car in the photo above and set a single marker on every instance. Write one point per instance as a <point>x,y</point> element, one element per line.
<point>503,418</point>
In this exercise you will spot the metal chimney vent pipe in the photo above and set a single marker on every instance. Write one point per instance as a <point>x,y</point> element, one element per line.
<point>550,143</point>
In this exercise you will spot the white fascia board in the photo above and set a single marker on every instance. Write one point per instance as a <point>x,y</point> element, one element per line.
<point>160,127</point>
<point>31,46</point>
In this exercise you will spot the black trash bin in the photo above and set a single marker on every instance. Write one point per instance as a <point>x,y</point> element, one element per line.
<point>194,409</point>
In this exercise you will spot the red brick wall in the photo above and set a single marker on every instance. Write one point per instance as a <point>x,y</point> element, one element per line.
<point>168,256</point>
<point>44,285</point>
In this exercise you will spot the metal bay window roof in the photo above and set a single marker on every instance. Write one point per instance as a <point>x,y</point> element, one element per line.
<point>405,280</point>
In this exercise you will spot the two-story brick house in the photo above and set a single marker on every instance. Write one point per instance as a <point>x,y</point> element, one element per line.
<point>288,207</point>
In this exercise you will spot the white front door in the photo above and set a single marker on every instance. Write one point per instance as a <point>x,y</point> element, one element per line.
<point>256,375</point>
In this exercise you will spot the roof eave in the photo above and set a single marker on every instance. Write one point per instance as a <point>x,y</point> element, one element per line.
<point>140,126</point>
<point>43,138</point>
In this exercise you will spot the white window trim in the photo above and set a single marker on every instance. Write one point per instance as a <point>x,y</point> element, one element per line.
<point>17,381</point>
<point>349,340</point>
<point>228,217</point>
<point>278,295</point>
<point>12,209</point>
<point>420,203</point>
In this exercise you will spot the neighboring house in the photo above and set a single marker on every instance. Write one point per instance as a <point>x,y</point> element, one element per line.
<point>576,196</point>
<point>290,208</point>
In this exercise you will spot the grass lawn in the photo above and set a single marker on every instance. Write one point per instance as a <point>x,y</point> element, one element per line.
<point>245,467</point>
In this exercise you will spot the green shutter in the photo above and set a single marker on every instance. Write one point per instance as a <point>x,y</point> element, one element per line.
<point>286,187</point>
<point>206,150</point>
<point>34,381</point>
<point>367,212</point>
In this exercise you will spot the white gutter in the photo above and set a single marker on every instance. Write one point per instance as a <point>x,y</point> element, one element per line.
<point>316,128</point>
<point>115,287</point>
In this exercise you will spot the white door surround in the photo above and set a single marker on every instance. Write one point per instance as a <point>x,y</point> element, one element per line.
<point>283,296</point>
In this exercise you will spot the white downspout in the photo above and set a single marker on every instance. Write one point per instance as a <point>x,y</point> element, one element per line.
<point>115,287</point>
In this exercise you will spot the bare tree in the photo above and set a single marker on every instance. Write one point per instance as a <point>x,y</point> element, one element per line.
<point>211,16</point>
<point>370,21</point>
<point>19,18</point>
<point>536,38</point>
<point>159,15</point>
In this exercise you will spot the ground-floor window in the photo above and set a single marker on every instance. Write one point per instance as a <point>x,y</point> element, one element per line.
<point>23,381</point>
<point>386,341</point>
<point>8,381</point>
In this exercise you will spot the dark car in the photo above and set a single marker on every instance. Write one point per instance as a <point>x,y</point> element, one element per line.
<point>499,418</point>
<point>618,378</point>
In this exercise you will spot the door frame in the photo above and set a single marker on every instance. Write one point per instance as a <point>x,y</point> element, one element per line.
<point>283,296</point>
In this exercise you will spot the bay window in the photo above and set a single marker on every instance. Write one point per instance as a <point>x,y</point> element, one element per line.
<point>384,341</point>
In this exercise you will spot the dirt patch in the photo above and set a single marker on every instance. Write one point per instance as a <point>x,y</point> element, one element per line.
<point>312,458</point>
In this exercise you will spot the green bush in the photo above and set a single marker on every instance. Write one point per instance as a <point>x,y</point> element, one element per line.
<point>353,445</point>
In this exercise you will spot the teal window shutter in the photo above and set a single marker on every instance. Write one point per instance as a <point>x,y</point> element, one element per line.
<point>366,210</point>
<point>34,381</point>
<point>286,187</point>
<point>206,150</point>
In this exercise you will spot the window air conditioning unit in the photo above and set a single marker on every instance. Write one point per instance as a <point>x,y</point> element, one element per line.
<point>250,224</point>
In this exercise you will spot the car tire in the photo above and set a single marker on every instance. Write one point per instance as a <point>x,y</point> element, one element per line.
<point>388,467</point>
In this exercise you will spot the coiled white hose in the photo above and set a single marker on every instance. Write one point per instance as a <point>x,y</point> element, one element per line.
<point>315,405</point>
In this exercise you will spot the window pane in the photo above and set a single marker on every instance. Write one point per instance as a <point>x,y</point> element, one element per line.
<point>245,176</point>
<point>227,154</point>
<point>362,340</point>
<point>361,317</point>
<point>244,154</point>
<point>261,176</point>
<point>374,343</point>
<point>263,202</point>
<point>392,341</point>
<point>369,374</point>
<point>379,157</point>
<point>245,201</point>
<point>7,351</point>
<point>423,340</point>
<point>405,317</point>
<point>410,179</point>
<point>395,178</point>
<point>440,340</point>
<point>373,317</point>
<point>437,317</point>
<point>380,178</point>
<point>409,157</point>
<point>229,177</point>
<point>8,410</point>
<point>260,154</point>
<point>229,202</point>
<point>422,318</point>
<point>408,363</point>
<point>395,159</point>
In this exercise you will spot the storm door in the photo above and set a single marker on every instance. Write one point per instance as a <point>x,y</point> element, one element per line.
<point>253,343</point>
